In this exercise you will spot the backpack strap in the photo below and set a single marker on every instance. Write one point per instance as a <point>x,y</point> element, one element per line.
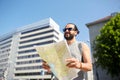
<point>80,48</point>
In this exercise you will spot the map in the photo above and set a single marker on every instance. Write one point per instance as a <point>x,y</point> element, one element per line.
<point>55,54</point>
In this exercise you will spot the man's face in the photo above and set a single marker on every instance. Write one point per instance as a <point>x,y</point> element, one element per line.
<point>69,32</point>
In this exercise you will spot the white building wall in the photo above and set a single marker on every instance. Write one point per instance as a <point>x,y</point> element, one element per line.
<point>12,57</point>
<point>5,49</point>
<point>93,32</point>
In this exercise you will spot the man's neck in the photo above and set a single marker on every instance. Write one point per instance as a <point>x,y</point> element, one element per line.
<point>71,41</point>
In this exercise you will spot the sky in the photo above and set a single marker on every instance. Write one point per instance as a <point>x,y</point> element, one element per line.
<point>18,13</point>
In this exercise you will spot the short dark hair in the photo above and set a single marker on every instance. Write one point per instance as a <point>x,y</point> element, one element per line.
<point>75,27</point>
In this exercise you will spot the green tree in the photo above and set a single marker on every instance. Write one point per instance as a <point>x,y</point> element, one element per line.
<point>107,46</point>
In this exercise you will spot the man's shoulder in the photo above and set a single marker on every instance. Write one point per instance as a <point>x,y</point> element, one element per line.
<point>80,42</point>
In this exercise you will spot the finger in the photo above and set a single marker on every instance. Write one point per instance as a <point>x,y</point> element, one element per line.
<point>44,61</point>
<point>71,65</point>
<point>70,60</point>
<point>45,65</point>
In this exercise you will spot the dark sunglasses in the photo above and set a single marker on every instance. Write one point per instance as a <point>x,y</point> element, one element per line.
<point>69,29</point>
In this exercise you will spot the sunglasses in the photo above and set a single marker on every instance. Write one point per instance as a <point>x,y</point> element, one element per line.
<point>69,29</point>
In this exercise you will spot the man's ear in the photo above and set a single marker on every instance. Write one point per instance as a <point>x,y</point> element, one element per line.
<point>76,33</point>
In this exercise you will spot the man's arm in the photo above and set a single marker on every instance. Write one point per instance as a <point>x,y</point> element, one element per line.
<point>86,65</point>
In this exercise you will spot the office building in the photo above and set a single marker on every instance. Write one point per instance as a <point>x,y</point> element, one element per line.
<point>18,58</point>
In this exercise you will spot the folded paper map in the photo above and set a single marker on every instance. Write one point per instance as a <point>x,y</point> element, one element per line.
<point>55,54</point>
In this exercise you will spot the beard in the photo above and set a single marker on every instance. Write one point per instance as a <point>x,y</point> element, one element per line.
<point>68,36</point>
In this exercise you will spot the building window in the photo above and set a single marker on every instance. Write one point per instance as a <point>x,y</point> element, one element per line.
<point>27,51</point>
<point>40,38</point>
<point>5,38</point>
<point>42,43</point>
<point>35,30</point>
<point>28,68</point>
<point>45,32</point>
<point>28,56</point>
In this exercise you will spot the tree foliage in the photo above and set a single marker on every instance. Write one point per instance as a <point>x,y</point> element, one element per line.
<point>107,46</point>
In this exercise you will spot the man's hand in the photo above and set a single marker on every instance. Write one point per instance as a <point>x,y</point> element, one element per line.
<point>46,66</point>
<point>73,63</point>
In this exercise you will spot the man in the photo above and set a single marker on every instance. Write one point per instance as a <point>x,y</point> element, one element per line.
<point>79,51</point>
